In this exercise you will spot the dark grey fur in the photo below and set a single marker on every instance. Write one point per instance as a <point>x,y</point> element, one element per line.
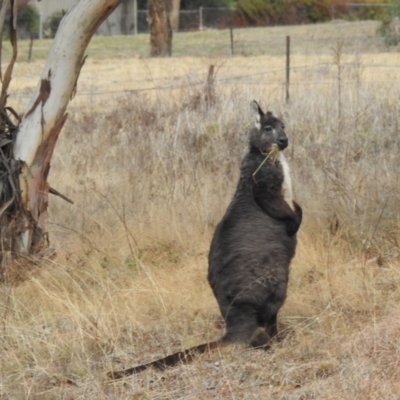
<point>250,252</point>
<point>255,242</point>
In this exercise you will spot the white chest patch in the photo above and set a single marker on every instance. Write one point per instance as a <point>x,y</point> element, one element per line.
<point>287,181</point>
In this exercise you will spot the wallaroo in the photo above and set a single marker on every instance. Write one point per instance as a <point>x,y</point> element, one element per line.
<point>252,246</point>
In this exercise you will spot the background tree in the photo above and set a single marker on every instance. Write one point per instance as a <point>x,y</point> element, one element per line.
<point>27,143</point>
<point>174,14</point>
<point>126,9</point>
<point>160,28</point>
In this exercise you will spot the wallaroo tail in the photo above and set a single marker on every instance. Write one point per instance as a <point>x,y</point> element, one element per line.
<point>252,246</point>
<point>180,357</point>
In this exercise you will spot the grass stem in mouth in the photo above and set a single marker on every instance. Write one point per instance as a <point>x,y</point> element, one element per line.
<point>271,154</point>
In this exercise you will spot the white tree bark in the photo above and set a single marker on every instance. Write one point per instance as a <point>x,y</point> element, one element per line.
<point>45,113</point>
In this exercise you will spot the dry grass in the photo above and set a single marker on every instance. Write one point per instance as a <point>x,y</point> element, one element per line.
<point>151,173</point>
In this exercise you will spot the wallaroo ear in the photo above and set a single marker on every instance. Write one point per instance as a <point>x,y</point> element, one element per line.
<point>258,113</point>
<point>256,108</point>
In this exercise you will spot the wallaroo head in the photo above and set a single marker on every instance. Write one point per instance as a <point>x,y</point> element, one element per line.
<point>269,131</point>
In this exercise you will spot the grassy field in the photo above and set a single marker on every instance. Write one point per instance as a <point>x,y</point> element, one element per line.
<point>151,166</point>
<point>306,39</point>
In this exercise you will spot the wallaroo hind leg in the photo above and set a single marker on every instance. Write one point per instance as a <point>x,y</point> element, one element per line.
<point>264,336</point>
<point>272,326</point>
<point>241,322</point>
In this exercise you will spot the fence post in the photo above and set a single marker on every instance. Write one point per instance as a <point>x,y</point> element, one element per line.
<point>135,18</point>
<point>231,31</point>
<point>200,18</point>
<point>40,26</point>
<point>30,49</point>
<point>287,67</point>
<point>209,89</point>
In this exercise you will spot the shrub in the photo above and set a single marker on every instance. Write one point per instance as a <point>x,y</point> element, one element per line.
<point>52,23</point>
<point>27,20</point>
<point>260,12</point>
<point>390,25</point>
<point>316,10</point>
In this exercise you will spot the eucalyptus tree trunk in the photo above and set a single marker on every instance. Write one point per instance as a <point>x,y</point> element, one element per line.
<point>160,28</point>
<point>27,143</point>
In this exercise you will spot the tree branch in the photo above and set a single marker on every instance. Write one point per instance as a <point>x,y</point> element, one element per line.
<point>45,113</point>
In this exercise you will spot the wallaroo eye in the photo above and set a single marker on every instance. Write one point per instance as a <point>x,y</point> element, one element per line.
<point>268,128</point>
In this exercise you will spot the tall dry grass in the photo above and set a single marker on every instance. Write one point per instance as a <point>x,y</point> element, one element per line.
<point>151,173</point>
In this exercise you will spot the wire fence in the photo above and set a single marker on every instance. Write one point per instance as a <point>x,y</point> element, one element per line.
<point>127,21</point>
<point>222,18</point>
<point>312,70</point>
<point>355,38</point>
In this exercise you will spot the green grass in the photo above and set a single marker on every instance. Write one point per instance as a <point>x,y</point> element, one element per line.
<point>306,39</point>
